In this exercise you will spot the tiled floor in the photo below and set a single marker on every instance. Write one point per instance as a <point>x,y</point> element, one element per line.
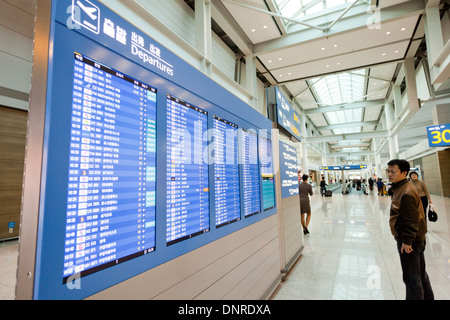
<point>8,268</point>
<point>350,253</point>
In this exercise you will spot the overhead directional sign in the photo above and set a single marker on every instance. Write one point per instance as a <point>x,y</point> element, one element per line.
<point>353,167</point>
<point>331,168</point>
<point>439,135</point>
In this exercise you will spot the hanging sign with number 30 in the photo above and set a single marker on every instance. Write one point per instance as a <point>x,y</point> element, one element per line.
<point>439,135</point>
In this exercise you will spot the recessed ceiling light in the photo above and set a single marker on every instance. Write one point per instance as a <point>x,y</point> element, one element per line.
<point>388,32</point>
<point>396,51</point>
<point>289,74</point>
<point>253,30</point>
<point>335,45</point>
<point>383,54</point>
<point>338,63</point>
<point>328,65</point>
<point>265,27</point>
<point>403,29</point>
<point>279,59</point>
<point>323,49</point>
<point>281,75</point>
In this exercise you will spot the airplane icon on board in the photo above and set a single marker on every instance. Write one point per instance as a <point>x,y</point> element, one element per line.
<point>86,14</point>
<point>89,10</point>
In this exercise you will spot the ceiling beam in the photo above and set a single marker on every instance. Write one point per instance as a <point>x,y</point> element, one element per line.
<point>357,21</point>
<point>351,154</point>
<point>348,125</point>
<point>353,105</point>
<point>347,136</point>
<point>359,145</point>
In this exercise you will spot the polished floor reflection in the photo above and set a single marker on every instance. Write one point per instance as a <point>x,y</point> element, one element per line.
<point>350,253</point>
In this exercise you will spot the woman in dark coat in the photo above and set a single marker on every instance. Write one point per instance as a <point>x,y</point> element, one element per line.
<point>305,208</point>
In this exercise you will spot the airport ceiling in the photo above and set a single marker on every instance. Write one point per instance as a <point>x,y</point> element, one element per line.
<point>338,59</point>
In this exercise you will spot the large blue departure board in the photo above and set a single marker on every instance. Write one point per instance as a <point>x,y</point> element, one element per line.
<point>126,134</point>
<point>250,172</point>
<point>110,215</point>
<point>226,172</point>
<point>267,173</point>
<point>187,171</point>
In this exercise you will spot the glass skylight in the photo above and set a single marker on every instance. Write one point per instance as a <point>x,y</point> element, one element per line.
<point>298,8</point>
<point>340,88</point>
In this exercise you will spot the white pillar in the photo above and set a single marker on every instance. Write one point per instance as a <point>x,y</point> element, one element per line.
<point>433,34</point>
<point>203,38</point>
<point>304,146</point>
<point>411,85</point>
<point>397,100</point>
<point>251,85</point>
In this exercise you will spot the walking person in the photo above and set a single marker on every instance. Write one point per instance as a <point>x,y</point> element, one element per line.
<point>408,226</point>
<point>305,207</point>
<point>422,190</point>
<point>371,183</point>
<point>323,186</point>
<point>380,186</point>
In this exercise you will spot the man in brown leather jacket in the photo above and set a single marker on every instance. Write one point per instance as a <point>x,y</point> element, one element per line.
<point>408,226</point>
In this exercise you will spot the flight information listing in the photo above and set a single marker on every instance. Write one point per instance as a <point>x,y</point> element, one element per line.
<point>267,173</point>
<point>111,207</point>
<point>226,172</point>
<point>187,171</point>
<point>250,172</point>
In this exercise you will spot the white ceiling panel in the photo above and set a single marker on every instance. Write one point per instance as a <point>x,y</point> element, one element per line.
<point>372,113</point>
<point>389,3</point>
<point>341,44</point>
<point>352,60</point>
<point>257,26</point>
<point>318,119</point>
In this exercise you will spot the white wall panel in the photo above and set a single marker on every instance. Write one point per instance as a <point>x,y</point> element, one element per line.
<point>16,44</point>
<point>244,260</point>
<point>175,14</point>
<point>16,49</point>
<point>15,73</point>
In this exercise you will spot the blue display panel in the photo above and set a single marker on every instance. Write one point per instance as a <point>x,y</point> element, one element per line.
<point>122,57</point>
<point>226,172</point>
<point>248,143</point>
<point>286,115</point>
<point>267,173</point>
<point>288,170</point>
<point>187,171</point>
<point>111,207</point>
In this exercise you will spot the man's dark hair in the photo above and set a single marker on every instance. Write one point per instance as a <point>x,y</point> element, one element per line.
<point>403,165</point>
<point>305,177</point>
